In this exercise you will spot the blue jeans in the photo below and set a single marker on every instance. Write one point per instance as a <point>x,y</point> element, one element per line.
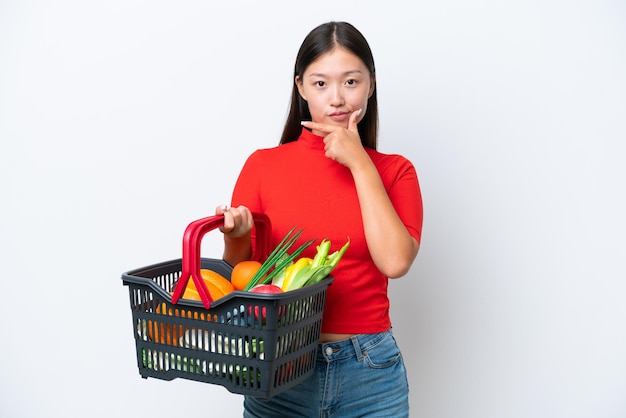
<point>363,376</point>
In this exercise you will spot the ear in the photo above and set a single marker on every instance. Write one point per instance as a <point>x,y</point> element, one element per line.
<point>372,87</point>
<point>298,82</point>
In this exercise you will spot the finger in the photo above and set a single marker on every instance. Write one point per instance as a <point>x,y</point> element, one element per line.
<point>229,222</point>
<point>242,219</point>
<point>241,211</point>
<point>241,215</point>
<point>236,215</point>
<point>353,120</point>
<point>322,127</point>
<point>221,209</point>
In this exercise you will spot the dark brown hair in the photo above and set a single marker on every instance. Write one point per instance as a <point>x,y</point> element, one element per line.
<point>319,41</point>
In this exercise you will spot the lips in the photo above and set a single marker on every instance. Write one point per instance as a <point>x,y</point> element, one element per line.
<point>338,116</point>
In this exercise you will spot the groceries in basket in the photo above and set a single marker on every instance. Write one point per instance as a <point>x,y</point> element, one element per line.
<point>252,328</point>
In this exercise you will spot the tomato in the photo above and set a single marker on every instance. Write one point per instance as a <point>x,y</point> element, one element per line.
<point>267,289</point>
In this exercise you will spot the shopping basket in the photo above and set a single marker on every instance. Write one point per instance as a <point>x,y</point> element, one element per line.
<point>251,343</point>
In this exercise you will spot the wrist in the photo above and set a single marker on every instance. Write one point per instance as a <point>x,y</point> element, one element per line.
<point>363,166</point>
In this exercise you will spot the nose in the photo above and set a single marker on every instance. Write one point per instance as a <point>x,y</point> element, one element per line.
<point>336,96</point>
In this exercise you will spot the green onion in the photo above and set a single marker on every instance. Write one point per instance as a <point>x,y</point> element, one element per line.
<point>279,258</point>
<point>288,260</point>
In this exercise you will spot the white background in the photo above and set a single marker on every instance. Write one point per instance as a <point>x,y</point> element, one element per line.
<point>123,121</point>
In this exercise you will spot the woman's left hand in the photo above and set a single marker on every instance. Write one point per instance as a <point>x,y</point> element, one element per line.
<point>388,241</point>
<point>342,144</point>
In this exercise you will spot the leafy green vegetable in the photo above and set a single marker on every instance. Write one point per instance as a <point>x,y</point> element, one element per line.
<point>320,267</point>
<point>279,258</point>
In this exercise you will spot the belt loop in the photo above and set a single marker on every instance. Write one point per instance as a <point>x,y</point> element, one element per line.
<point>357,347</point>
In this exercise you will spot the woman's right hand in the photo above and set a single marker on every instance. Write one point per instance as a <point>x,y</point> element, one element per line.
<point>238,222</point>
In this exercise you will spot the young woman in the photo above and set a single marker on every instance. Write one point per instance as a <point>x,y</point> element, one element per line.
<point>327,178</point>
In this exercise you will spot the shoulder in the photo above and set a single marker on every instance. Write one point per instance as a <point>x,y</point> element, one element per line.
<point>384,161</point>
<point>263,155</point>
<point>276,150</point>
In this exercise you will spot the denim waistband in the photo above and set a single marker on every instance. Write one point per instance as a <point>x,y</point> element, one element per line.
<point>355,345</point>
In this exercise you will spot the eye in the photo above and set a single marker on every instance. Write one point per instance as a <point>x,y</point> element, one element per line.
<point>351,82</point>
<point>320,83</point>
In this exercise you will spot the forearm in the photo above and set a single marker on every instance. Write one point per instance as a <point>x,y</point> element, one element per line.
<point>392,248</point>
<point>237,249</point>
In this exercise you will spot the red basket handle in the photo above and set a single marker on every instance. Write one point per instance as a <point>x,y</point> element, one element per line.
<point>191,252</point>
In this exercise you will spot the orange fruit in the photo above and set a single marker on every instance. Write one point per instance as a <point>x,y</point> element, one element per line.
<point>163,333</point>
<point>218,286</point>
<point>243,272</point>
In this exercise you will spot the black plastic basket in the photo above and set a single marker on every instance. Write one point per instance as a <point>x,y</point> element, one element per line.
<point>250,343</point>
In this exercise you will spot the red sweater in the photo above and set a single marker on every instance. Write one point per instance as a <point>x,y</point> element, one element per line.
<point>296,185</point>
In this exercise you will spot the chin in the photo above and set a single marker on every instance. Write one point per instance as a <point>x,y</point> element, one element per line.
<point>343,124</point>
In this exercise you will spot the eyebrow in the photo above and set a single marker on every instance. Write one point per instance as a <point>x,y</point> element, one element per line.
<point>343,74</point>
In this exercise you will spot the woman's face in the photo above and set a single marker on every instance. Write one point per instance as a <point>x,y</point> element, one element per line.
<point>335,85</point>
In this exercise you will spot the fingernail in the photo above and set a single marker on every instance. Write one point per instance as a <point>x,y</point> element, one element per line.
<point>304,122</point>
<point>224,208</point>
<point>358,112</point>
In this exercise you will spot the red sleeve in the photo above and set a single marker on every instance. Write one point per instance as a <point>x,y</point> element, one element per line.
<point>405,195</point>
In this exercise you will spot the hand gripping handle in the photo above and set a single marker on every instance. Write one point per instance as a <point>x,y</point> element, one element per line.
<point>191,252</point>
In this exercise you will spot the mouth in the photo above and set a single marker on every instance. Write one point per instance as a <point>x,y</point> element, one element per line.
<point>339,116</point>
